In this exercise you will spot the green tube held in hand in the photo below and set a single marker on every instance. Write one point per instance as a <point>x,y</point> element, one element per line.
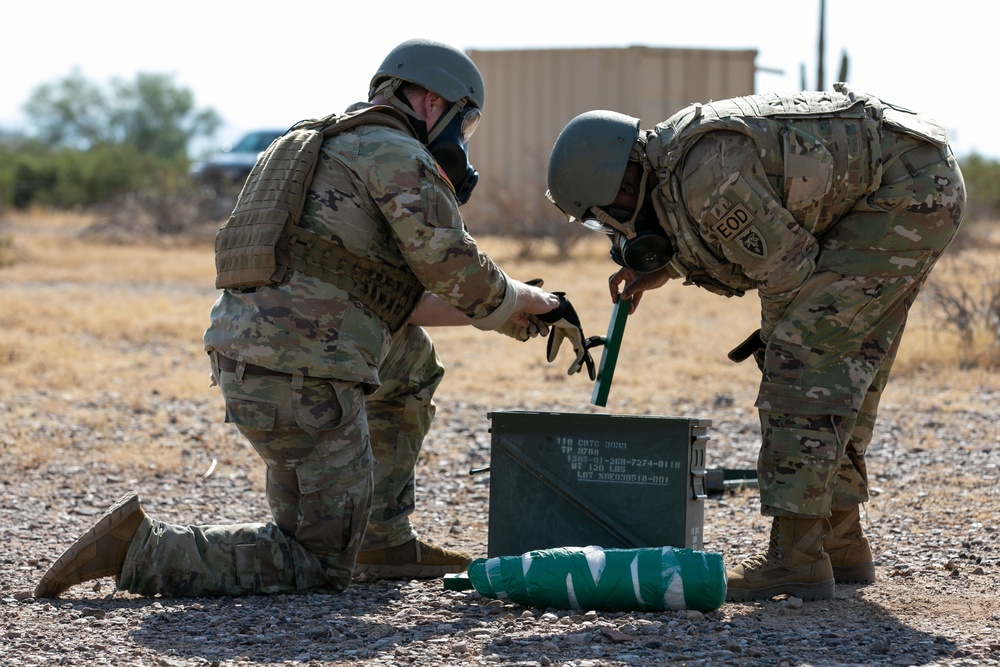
<point>612,343</point>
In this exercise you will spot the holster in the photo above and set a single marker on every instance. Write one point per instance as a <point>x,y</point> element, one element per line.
<point>753,346</point>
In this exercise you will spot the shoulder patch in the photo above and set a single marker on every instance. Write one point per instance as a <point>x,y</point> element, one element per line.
<point>734,221</point>
<point>753,242</point>
<point>443,175</point>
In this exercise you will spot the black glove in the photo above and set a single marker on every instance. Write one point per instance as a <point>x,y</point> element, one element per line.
<point>566,324</point>
<point>753,346</point>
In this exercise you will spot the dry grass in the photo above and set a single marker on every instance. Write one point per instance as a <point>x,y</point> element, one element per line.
<point>79,317</point>
<point>673,349</point>
<point>52,249</point>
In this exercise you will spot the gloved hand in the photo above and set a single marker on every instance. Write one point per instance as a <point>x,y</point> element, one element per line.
<point>535,327</point>
<point>566,324</point>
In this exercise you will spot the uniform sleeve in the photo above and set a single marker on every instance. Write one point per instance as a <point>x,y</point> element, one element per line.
<point>725,189</point>
<point>425,224</point>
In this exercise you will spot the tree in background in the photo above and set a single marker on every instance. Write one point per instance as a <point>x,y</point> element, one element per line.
<point>90,144</point>
<point>150,115</point>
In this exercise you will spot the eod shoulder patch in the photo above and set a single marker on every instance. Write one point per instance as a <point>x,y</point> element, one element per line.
<point>737,224</point>
<point>733,222</point>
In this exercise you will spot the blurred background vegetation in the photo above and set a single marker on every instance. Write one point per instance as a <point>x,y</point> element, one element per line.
<point>125,149</point>
<point>120,155</point>
<point>89,144</point>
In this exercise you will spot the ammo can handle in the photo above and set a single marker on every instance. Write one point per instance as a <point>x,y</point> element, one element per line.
<point>606,371</point>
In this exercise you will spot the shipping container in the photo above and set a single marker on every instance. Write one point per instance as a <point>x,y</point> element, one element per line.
<point>531,94</point>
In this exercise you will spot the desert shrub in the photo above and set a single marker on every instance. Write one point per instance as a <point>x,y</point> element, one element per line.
<point>982,181</point>
<point>151,214</point>
<point>962,297</point>
<point>66,178</point>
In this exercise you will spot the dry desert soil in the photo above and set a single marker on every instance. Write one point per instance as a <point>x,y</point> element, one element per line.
<point>87,414</point>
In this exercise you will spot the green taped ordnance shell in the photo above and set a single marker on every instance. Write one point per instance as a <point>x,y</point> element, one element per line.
<point>584,578</point>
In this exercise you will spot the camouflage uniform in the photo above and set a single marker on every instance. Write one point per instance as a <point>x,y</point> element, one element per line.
<point>834,207</point>
<point>341,427</point>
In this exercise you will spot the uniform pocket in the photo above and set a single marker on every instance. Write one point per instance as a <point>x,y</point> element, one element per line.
<point>804,400</point>
<point>336,463</point>
<point>334,416</point>
<point>805,443</point>
<point>255,415</point>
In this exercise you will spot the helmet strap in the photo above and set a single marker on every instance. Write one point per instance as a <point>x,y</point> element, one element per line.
<point>443,121</point>
<point>392,90</point>
<point>642,195</point>
<point>626,228</point>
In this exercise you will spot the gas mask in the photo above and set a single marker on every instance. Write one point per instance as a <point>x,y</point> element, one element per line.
<point>638,242</point>
<point>448,142</point>
<point>649,250</point>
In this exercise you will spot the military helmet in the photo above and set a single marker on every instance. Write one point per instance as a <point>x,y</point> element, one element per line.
<point>588,160</point>
<point>440,68</point>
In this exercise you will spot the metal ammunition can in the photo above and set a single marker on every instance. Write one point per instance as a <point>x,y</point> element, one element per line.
<point>615,481</point>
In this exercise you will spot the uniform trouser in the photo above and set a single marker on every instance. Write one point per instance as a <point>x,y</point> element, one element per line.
<point>828,360</point>
<point>313,434</point>
<point>400,413</point>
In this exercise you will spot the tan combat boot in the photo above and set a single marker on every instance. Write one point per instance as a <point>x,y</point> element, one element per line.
<point>415,559</point>
<point>100,552</point>
<point>849,551</point>
<point>794,564</point>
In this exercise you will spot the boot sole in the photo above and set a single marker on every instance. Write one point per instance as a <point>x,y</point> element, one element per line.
<point>823,590</point>
<point>863,573</point>
<point>53,582</point>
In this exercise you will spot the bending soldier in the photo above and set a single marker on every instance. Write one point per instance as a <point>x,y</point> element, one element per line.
<point>834,206</point>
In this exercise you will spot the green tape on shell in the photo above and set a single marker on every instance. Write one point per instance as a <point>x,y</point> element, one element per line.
<point>583,578</point>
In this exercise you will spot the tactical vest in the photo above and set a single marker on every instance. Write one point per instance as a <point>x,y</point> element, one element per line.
<point>759,117</point>
<point>262,239</point>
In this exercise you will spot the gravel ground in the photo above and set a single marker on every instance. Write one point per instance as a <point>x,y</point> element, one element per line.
<point>932,523</point>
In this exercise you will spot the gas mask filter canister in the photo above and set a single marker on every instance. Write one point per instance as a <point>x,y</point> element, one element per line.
<point>646,252</point>
<point>639,244</point>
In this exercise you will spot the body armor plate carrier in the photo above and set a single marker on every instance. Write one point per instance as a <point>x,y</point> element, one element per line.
<point>262,239</point>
